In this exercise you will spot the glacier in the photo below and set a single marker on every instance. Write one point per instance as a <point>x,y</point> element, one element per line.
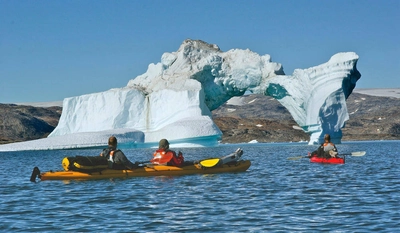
<point>174,98</point>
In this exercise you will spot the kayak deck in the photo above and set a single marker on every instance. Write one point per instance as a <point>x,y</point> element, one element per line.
<point>325,160</point>
<point>148,170</point>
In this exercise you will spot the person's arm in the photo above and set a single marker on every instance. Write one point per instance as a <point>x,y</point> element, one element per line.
<point>334,148</point>
<point>176,160</point>
<point>102,153</point>
<point>125,161</point>
<point>320,150</point>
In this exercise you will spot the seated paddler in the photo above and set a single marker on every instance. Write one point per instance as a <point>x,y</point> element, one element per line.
<point>164,156</point>
<point>326,150</point>
<point>115,157</point>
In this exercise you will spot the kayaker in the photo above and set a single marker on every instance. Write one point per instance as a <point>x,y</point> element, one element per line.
<point>165,156</point>
<point>326,150</point>
<point>116,158</point>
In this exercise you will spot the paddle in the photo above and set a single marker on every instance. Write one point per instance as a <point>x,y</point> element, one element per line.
<point>233,157</point>
<point>212,162</point>
<point>209,162</point>
<point>204,163</point>
<point>357,153</point>
<point>297,157</point>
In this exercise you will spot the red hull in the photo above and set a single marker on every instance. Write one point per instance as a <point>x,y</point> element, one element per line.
<point>330,160</point>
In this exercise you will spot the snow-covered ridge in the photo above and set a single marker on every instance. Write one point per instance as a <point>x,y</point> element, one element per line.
<point>383,92</point>
<point>42,104</point>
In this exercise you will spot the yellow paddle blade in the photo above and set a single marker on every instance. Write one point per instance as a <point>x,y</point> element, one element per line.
<point>209,162</point>
<point>65,164</point>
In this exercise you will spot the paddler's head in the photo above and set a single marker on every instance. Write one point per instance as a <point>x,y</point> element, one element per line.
<point>327,138</point>
<point>112,142</point>
<point>163,144</point>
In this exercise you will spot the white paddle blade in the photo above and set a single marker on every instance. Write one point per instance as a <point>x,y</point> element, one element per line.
<point>358,153</point>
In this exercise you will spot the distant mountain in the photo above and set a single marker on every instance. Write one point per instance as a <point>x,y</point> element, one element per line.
<point>242,119</point>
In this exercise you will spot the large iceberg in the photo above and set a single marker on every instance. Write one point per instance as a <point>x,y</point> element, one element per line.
<point>175,97</point>
<point>316,97</point>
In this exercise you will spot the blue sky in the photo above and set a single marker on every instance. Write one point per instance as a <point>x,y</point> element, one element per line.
<point>50,50</point>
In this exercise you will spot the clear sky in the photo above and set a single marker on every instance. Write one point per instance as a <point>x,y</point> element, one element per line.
<point>50,50</point>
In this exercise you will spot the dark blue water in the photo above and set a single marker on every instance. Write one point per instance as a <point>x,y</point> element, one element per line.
<point>274,195</point>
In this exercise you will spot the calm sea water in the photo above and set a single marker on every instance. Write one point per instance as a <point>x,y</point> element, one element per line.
<point>275,195</point>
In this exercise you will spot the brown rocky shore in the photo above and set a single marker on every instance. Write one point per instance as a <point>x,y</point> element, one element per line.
<point>243,119</point>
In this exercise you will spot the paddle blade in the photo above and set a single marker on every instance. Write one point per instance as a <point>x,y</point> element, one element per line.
<point>209,162</point>
<point>358,153</point>
<point>297,157</point>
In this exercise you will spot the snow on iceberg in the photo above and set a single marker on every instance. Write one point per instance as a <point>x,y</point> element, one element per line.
<point>175,97</point>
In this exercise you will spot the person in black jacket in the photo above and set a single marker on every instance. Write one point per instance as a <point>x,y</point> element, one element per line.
<point>116,158</point>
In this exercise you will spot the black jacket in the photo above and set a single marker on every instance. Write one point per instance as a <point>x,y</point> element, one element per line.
<point>118,160</point>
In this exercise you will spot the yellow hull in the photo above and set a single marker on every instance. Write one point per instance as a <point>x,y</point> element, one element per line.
<point>149,170</point>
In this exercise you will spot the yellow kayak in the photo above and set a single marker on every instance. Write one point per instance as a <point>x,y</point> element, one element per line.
<point>146,170</point>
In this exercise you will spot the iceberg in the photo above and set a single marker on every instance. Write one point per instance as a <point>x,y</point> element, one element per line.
<point>316,97</point>
<point>174,98</point>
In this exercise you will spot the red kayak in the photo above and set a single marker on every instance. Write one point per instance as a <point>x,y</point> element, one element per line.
<point>324,160</point>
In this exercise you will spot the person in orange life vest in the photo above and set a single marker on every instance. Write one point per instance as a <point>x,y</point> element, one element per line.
<point>165,156</point>
<point>326,150</point>
<point>116,158</point>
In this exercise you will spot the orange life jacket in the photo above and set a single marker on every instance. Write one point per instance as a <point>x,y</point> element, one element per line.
<point>167,157</point>
<point>162,157</point>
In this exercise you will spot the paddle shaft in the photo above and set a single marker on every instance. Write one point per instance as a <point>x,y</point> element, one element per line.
<point>297,157</point>
<point>357,153</point>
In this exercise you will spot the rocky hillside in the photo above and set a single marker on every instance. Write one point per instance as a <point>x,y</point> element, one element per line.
<point>258,118</point>
<point>252,117</point>
<point>372,118</point>
<point>22,123</point>
<point>263,119</point>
